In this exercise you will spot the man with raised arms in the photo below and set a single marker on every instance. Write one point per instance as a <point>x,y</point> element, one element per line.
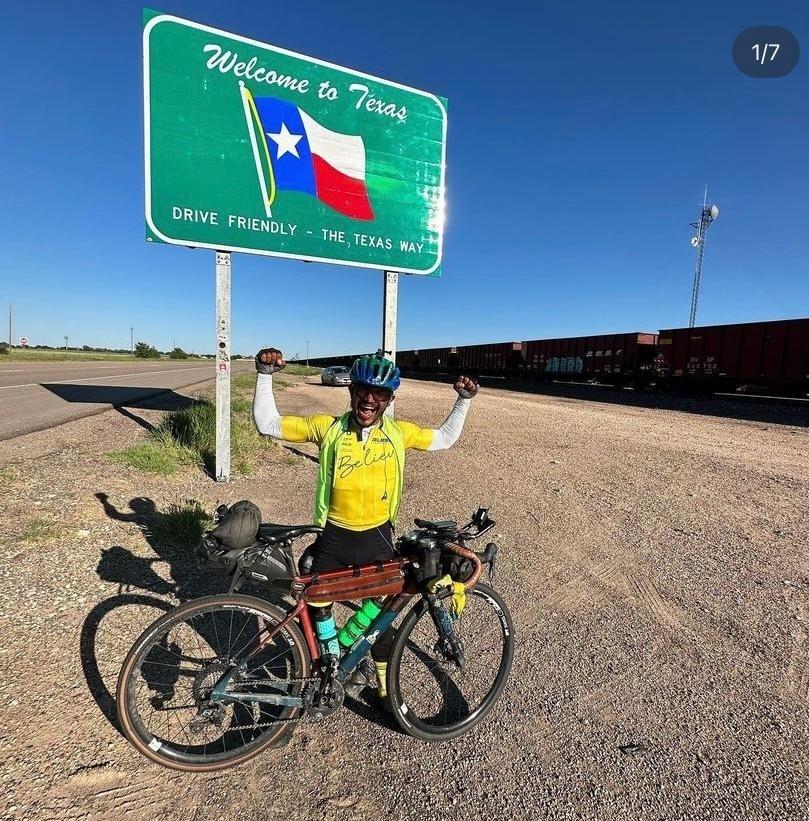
<point>359,484</point>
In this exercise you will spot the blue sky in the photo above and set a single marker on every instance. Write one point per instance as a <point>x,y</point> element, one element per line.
<point>580,138</point>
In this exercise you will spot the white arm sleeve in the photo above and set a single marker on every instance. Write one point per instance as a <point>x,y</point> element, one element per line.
<point>265,412</point>
<point>447,435</point>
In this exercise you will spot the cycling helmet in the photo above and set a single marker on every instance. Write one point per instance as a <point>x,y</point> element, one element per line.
<point>376,371</point>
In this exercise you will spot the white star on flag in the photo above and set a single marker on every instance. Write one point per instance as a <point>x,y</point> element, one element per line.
<point>285,141</point>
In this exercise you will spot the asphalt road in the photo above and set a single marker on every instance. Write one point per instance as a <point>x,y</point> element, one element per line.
<point>35,396</point>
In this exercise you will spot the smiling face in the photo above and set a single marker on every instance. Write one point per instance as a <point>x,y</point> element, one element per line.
<point>368,404</point>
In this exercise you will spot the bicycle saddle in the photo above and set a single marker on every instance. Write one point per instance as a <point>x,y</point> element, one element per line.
<point>444,525</point>
<point>273,533</point>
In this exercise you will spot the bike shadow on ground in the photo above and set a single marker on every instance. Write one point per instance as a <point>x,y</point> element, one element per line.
<point>172,535</point>
<point>100,664</point>
<point>365,708</point>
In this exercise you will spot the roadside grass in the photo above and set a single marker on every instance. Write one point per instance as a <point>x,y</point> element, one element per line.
<point>301,370</point>
<point>160,454</point>
<point>5,479</point>
<point>248,381</point>
<point>242,382</point>
<point>40,530</point>
<point>181,525</point>
<point>187,437</point>
<point>29,354</point>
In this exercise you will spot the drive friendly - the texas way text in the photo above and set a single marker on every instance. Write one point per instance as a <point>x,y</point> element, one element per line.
<point>270,226</point>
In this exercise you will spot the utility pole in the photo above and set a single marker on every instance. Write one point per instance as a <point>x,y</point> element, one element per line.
<point>9,326</point>
<point>132,338</point>
<point>65,346</point>
<point>307,353</point>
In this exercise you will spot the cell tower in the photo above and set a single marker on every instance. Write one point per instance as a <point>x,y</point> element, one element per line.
<point>710,211</point>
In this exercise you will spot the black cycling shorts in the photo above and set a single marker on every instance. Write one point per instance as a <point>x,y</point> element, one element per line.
<point>337,547</point>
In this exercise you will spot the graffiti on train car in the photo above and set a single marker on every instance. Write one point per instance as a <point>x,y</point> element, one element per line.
<point>564,364</point>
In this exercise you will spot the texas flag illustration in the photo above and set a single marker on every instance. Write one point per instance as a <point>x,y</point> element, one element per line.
<point>293,152</point>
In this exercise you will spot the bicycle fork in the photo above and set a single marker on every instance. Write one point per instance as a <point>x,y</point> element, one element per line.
<point>449,643</point>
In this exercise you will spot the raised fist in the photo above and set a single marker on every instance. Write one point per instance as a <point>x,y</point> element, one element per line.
<point>466,387</point>
<point>270,360</point>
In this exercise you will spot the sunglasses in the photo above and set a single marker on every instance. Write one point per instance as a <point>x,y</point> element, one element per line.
<point>380,394</point>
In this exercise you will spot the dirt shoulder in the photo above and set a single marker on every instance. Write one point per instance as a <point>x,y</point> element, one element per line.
<point>654,560</point>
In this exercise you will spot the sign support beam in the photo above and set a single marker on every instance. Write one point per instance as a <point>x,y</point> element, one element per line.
<point>222,366</point>
<point>390,304</point>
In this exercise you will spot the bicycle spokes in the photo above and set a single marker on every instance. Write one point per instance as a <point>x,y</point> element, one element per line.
<point>193,693</point>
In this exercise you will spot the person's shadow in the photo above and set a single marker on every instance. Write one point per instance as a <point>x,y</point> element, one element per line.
<point>172,534</point>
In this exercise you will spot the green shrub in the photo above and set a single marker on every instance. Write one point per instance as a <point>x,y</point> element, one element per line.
<point>144,350</point>
<point>180,525</point>
<point>178,353</point>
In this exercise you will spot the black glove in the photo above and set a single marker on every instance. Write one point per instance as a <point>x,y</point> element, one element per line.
<point>270,360</point>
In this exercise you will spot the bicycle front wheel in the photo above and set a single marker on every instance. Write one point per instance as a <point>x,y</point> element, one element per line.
<point>167,679</point>
<point>432,698</point>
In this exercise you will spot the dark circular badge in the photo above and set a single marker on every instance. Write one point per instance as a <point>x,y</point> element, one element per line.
<point>766,51</point>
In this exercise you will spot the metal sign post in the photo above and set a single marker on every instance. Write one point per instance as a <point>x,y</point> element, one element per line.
<point>390,298</point>
<point>222,366</point>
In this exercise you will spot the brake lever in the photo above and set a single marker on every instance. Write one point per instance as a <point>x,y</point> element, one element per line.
<point>489,556</point>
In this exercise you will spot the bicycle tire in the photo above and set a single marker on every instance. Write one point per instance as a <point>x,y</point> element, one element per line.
<point>161,750</point>
<point>406,714</point>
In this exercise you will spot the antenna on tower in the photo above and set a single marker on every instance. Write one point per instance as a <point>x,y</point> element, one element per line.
<point>710,211</point>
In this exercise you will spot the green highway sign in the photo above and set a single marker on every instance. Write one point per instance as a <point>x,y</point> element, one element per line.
<point>250,147</point>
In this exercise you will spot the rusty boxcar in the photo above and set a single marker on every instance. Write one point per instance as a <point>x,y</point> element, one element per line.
<point>626,358</point>
<point>766,356</point>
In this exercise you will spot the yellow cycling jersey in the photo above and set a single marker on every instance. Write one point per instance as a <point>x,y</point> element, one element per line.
<point>363,471</point>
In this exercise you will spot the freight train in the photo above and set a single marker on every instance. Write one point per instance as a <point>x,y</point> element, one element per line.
<point>770,357</point>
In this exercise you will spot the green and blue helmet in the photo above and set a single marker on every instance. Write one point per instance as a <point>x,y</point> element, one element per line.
<point>375,371</point>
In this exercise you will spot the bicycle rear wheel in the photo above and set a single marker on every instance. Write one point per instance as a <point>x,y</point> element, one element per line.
<point>432,698</point>
<point>166,680</point>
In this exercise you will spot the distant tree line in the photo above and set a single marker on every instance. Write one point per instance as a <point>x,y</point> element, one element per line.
<point>143,350</point>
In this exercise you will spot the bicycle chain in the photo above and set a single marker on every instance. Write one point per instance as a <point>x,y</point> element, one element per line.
<point>305,716</point>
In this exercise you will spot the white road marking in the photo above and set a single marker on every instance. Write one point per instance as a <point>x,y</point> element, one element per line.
<point>112,376</point>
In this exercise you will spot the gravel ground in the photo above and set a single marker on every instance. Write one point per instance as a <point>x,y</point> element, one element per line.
<point>654,561</point>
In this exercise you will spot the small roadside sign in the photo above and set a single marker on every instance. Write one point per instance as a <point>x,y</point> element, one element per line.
<point>23,341</point>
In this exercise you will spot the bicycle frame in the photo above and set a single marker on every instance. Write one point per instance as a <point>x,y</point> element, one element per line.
<point>391,609</point>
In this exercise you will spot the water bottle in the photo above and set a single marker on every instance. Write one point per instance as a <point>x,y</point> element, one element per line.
<point>359,623</point>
